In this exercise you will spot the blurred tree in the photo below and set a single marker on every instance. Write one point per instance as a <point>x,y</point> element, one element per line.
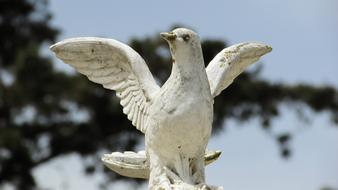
<point>45,114</point>
<point>328,188</point>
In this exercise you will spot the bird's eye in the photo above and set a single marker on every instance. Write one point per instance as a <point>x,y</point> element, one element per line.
<point>186,37</point>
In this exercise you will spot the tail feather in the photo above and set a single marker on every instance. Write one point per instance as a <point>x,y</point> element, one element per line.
<point>135,164</point>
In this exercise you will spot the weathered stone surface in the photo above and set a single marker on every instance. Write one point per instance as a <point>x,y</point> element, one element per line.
<point>175,118</point>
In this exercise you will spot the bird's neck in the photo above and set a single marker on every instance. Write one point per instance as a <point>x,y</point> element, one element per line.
<point>188,63</point>
<point>189,73</point>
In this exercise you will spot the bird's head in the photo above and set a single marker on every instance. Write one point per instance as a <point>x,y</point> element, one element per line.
<point>182,40</point>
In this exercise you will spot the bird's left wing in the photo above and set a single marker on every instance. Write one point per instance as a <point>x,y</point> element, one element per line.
<point>231,62</point>
<point>117,67</point>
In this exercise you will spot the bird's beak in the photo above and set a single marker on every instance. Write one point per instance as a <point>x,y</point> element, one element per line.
<point>168,36</point>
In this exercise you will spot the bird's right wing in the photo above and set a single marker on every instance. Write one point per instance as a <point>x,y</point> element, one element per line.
<point>231,62</point>
<point>116,66</point>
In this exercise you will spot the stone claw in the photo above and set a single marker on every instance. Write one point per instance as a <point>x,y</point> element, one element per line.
<point>163,186</point>
<point>203,187</point>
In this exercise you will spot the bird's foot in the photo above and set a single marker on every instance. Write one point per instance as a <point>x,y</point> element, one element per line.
<point>203,186</point>
<point>163,186</point>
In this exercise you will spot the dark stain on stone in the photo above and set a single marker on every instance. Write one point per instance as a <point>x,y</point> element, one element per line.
<point>172,111</point>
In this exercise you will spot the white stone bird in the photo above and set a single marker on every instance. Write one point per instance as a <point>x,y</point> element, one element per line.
<point>175,118</point>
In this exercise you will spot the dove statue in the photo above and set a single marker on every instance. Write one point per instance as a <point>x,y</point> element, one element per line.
<point>176,118</point>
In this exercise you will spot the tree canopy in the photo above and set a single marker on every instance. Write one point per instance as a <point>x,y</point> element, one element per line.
<point>46,113</point>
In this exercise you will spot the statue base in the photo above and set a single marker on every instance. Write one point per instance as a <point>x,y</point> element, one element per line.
<point>184,186</point>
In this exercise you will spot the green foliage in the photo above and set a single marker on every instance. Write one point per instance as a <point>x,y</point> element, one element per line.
<point>37,107</point>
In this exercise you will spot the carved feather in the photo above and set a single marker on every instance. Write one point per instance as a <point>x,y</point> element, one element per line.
<point>231,62</point>
<point>117,67</point>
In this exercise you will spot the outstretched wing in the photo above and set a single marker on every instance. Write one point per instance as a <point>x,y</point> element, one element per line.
<point>117,67</point>
<point>231,62</point>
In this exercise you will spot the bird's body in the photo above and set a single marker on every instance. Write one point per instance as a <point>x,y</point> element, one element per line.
<point>175,118</point>
<point>179,121</point>
<point>182,117</point>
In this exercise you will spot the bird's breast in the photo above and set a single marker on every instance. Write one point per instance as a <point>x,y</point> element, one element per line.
<point>183,118</point>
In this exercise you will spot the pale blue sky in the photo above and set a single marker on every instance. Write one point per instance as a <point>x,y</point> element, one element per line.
<point>304,37</point>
